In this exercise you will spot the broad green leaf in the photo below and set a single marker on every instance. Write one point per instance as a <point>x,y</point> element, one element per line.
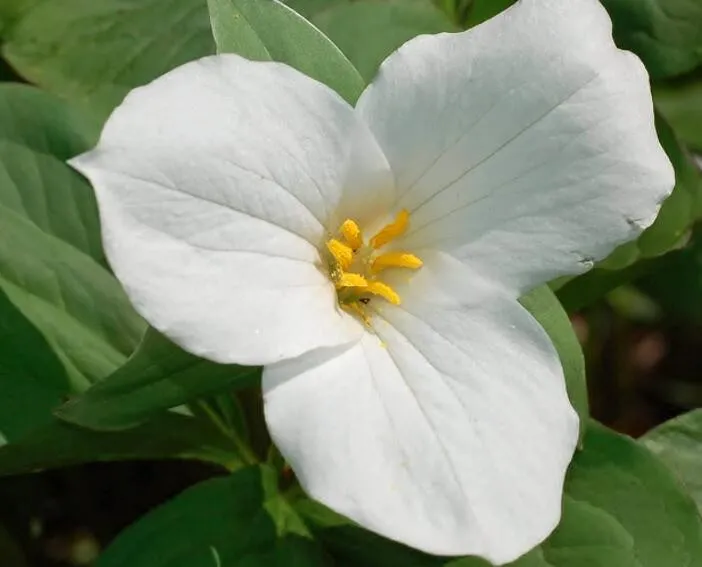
<point>237,521</point>
<point>52,268</point>
<point>681,103</point>
<point>309,8</point>
<point>167,436</point>
<point>665,34</point>
<point>158,376</point>
<point>625,480</point>
<point>547,310</point>
<point>31,376</point>
<point>367,31</point>
<point>268,30</point>
<point>95,51</point>
<point>678,443</point>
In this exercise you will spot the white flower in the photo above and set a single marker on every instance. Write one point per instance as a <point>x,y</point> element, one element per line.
<point>243,207</point>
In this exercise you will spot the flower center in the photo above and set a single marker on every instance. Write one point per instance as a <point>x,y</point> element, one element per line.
<point>356,267</point>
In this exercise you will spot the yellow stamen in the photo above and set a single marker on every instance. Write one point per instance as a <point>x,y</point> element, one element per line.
<point>391,231</point>
<point>348,279</point>
<point>342,253</point>
<point>384,291</point>
<point>396,260</point>
<point>352,234</point>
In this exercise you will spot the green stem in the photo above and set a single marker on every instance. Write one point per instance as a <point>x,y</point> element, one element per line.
<point>245,452</point>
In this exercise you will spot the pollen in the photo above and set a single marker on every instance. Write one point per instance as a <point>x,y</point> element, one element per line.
<point>352,234</point>
<point>356,266</point>
<point>342,254</point>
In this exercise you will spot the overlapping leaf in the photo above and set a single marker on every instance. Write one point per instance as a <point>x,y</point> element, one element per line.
<point>95,51</point>
<point>51,265</point>
<point>269,30</point>
<point>158,376</point>
<point>238,521</point>
<point>678,444</point>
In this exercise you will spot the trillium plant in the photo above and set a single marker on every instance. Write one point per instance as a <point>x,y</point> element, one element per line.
<point>374,255</point>
<point>371,257</point>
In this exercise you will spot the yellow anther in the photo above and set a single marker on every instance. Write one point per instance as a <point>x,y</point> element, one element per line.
<point>391,231</point>
<point>384,291</point>
<point>348,279</point>
<point>342,253</point>
<point>352,234</point>
<point>396,260</point>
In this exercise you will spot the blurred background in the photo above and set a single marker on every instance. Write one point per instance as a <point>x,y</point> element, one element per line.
<point>638,315</point>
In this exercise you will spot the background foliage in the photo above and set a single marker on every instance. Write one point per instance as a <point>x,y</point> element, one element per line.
<point>84,380</point>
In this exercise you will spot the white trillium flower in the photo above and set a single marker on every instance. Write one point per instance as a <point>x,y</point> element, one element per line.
<point>371,257</point>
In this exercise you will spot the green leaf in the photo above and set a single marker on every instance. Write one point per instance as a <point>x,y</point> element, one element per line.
<point>676,284</point>
<point>52,267</point>
<point>238,521</point>
<point>95,51</point>
<point>627,482</point>
<point>547,310</point>
<point>31,376</point>
<point>678,443</point>
<point>482,10</point>
<point>665,34</point>
<point>680,102</point>
<point>268,30</point>
<point>158,376</point>
<point>166,436</point>
<point>309,8</point>
<point>367,31</point>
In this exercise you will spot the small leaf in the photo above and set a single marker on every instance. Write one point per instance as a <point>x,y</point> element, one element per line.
<point>238,521</point>
<point>547,310</point>
<point>368,31</point>
<point>158,376</point>
<point>167,436</point>
<point>268,30</point>
<point>678,443</point>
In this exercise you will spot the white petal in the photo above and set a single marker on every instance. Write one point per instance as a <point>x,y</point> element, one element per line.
<point>215,184</point>
<point>524,147</point>
<point>453,436</point>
